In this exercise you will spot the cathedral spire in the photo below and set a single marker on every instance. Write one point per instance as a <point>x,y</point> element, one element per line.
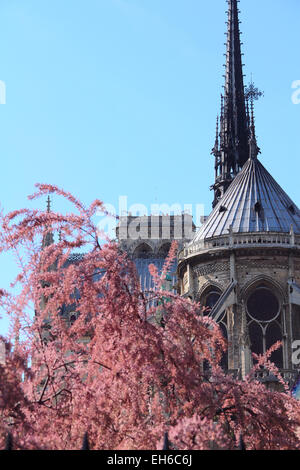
<point>254,150</point>
<point>48,203</point>
<point>234,128</point>
<point>48,238</point>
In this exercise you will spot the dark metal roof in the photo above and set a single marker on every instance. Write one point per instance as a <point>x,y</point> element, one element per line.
<point>254,202</point>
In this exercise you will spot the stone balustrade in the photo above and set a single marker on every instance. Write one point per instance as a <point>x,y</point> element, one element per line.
<point>288,375</point>
<point>239,240</point>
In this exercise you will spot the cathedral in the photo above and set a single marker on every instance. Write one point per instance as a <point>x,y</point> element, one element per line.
<point>243,264</point>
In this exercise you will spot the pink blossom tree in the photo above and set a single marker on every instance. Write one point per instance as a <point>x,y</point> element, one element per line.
<point>85,352</point>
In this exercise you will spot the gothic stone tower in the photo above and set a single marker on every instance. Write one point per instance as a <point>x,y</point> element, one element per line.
<point>147,240</point>
<point>244,262</point>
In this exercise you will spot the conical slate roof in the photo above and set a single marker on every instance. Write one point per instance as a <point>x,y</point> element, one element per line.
<point>254,202</point>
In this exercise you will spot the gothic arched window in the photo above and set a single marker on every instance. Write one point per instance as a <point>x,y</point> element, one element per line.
<point>143,251</point>
<point>212,298</point>
<point>209,300</point>
<point>164,250</point>
<point>264,322</point>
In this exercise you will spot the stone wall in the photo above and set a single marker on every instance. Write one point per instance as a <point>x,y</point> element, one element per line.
<point>248,267</point>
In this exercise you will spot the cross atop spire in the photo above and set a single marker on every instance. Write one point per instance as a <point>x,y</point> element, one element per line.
<point>234,125</point>
<point>252,93</point>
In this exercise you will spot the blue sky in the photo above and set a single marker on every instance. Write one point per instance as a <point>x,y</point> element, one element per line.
<point>108,98</point>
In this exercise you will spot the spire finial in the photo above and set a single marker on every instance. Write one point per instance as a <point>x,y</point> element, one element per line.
<point>252,120</point>
<point>252,94</point>
<point>254,150</point>
<point>48,238</point>
<point>48,203</point>
<point>247,111</point>
<point>215,150</point>
<point>217,132</point>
